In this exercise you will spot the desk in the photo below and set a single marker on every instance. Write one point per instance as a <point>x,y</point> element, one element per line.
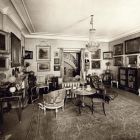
<point>82,93</point>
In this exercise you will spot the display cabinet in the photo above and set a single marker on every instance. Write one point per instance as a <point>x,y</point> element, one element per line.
<point>129,79</point>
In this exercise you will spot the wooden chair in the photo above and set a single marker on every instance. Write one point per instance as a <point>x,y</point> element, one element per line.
<point>53,100</point>
<point>99,97</point>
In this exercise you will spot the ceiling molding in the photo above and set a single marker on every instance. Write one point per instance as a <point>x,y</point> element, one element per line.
<point>4,10</point>
<point>62,37</point>
<point>9,16</point>
<point>128,33</point>
<point>30,29</point>
<point>28,15</point>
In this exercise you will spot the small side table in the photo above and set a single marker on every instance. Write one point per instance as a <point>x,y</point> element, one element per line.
<point>114,82</point>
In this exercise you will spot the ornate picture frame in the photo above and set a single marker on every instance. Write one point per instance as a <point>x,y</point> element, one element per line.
<point>107,55</point>
<point>132,46</point>
<point>56,61</point>
<point>15,51</point>
<point>95,64</point>
<point>4,43</point>
<point>56,67</point>
<point>118,61</point>
<point>28,54</point>
<point>43,66</point>
<point>43,52</point>
<point>96,54</point>
<point>118,49</point>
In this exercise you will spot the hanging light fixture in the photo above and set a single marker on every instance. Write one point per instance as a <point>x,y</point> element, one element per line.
<point>92,45</point>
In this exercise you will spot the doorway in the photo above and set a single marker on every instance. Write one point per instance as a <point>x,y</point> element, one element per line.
<point>71,65</point>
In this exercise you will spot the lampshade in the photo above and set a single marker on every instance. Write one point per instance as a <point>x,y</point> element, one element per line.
<point>92,45</point>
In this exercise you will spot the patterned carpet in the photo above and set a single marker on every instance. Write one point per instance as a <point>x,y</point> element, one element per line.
<point>122,122</point>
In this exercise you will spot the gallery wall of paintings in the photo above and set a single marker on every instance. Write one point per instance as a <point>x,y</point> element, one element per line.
<point>127,53</point>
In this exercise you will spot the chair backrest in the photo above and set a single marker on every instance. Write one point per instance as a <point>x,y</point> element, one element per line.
<point>56,96</point>
<point>94,81</point>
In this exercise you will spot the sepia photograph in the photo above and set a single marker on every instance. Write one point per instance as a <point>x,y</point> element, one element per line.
<point>69,69</point>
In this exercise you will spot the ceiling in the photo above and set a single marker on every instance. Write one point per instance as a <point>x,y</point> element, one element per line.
<point>70,18</point>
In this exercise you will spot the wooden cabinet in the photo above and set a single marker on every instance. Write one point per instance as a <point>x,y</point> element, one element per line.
<point>129,79</point>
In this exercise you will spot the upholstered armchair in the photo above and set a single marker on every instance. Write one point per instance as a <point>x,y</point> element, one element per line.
<point>53,100</point>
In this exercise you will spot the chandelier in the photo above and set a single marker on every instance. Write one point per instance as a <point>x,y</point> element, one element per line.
<point>92,45</point>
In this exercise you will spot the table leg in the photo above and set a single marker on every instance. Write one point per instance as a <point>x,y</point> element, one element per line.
<point>19,110</point>
<point>83,104</point>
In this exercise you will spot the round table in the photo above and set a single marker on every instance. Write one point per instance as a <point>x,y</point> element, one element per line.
<point>82,92</point>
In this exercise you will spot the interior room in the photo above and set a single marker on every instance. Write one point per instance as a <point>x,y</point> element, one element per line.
<point>69,70</point>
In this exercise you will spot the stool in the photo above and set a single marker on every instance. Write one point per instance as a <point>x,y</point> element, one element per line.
<point>114,82</point>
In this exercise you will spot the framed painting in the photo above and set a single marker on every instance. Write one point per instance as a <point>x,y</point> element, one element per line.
<point>43,66</point>
<point>56,67</point>
<point>118,61</point>
<point>15,51</point>
<point>118,49</point>
<point>56,54</point>
<point>107,55</point>
<point>4,63</point>
<point>28,54</point>
<point>132,46</point>
<point>4,37</point>
<point>56,61</point>
<point>132,60</point>
<point>96,54</point>
<point>95,64</point>
<point>43,52</point>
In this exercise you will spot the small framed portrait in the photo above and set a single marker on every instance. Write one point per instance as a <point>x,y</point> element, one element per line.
<point>56,54</point>
<point>56,61</point>
<point>118,61</point>
<point>107,55</point>
<point>96,54</point>
<point>28,54</point>
<point>56,67</point>
<point>43,52</point>
<point>95,64</point>
<point>43,66</point>
<point>118,49</point>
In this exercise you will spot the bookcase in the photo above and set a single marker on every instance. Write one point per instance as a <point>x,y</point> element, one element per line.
<point>129,79</point>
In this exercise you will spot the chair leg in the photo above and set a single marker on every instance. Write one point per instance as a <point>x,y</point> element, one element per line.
<point>56,110</point>
<point>92,109</point>
<point>104,108</point>
<point>63,108</point>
